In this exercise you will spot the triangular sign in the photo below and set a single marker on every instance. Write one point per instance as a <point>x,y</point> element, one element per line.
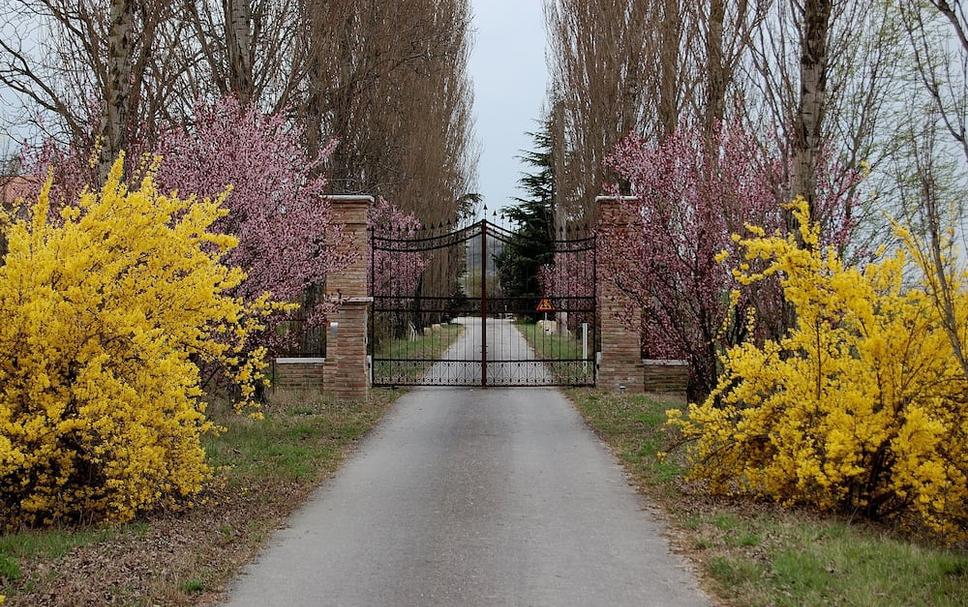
<point>544,305</point>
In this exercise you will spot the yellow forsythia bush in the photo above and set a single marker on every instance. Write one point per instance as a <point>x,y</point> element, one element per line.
<point>108,314</point>
<point>861,407</point>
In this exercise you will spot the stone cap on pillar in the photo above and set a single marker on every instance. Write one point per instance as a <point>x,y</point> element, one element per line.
<point>349,198</point>
<point>613,199</point>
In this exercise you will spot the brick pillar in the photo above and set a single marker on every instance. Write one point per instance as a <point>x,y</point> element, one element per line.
<point>346,375</point>
<point>620,365</point>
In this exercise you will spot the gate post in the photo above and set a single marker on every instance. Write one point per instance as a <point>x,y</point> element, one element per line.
<point>620,365</point>
<point>346,375</point>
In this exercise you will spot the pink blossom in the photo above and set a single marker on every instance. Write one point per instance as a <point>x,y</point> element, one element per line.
<point>288,241</point>
<point>690,196</point>
<point>71,168</point>
<point>395,272</point>
<point>570,275</point>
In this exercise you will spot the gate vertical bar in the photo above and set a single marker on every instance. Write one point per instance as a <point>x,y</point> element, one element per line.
<point>484,301</point>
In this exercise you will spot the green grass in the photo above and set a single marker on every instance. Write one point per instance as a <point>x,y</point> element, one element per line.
<point>736,572</point>
<point>54,543</point>
<point>9,568</point>
<point>557,346</point>
<point>759,555</point>
<point>192,586</point>
<point>832,562</point>
<point>634,426</point>
<point>550,345</point>
<point>292,443</point>
<point>429,344</point>
<point>21,548</point>
<point>420,352</point>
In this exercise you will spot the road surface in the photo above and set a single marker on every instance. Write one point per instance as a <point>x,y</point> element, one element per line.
<point>461,363</point>
<point>471,497</point>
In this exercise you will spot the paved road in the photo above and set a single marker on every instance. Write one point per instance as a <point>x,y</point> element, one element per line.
<point>470,497</point>
<point>504,343</point>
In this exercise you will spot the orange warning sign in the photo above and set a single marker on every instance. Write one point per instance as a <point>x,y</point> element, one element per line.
<point>545,305</point>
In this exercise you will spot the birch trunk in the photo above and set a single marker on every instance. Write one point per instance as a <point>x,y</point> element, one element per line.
<point>114,122</point>
<point>238,42</point>
<point>809,117</point>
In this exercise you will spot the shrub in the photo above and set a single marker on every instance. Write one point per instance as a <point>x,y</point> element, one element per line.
<point>860,407</point>
<point>287,239</point>
<point>108,314</point>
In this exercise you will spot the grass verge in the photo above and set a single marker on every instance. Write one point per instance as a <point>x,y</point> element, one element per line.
<point>758,555</point>
<point>561,351</point>
<point>411,359</point>
<point>549,345</point>
<point>263,470</point>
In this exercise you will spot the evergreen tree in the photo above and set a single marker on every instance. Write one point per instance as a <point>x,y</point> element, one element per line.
<point>531,245</point>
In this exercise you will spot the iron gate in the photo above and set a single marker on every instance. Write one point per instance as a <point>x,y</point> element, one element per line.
<point>444,314</point>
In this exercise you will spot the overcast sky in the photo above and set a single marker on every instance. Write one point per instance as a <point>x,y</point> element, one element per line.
<point>508,69</point>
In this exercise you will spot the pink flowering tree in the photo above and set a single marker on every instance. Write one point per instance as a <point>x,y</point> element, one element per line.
<point>397,267</point>
<point>73,169</point>
<point>571,274</point>
<point>396,271</point>
<point>277,206</point>
<point>690,196</point>
<point>568,278</point>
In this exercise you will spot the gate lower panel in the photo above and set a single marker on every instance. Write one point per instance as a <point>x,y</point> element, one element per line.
<point>473,335</point>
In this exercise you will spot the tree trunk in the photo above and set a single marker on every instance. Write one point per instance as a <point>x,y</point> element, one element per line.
<point>811,107</point>
<point>669,66</point>
<point>312,114</point>
<point>238,42</point>
<point>716,70</point>
<point>114,122</point>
